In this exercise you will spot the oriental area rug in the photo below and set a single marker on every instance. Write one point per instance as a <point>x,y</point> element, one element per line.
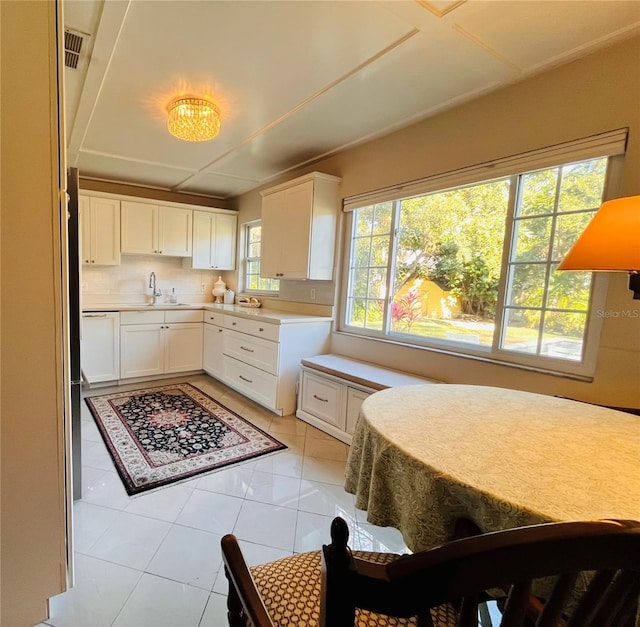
<point>161,435</point>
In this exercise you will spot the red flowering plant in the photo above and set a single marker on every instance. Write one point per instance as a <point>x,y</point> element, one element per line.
<point>405,310</point>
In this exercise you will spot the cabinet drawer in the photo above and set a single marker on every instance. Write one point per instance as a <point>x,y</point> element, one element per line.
<point>251,381</point>
<point>141,317</point>
<point>214,317</point>
<point>253,327</point>
<point>255,351</point>
<point>184,315</point>
<point>354,401</point>
<point>323,398</point>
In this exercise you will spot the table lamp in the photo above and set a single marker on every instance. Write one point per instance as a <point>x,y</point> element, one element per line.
<point>611,242</point>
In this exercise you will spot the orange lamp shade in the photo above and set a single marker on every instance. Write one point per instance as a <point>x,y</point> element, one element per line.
<point>611,241</point>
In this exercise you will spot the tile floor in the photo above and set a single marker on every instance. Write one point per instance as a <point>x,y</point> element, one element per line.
<point>153,560</point>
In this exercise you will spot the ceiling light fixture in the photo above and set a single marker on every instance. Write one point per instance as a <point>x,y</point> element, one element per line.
<point>193,119</point>
<point>610,242</point>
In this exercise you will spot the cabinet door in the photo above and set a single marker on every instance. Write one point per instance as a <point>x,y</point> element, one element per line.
<point>175,231</point>
<point>141,350</point>
<point>99,230</point>
<point>223,247</point>
<point>286,227</point>
<point>203,236</point>
<point>182,347</point>
<point>139,228</point>
<point>323,399</point>
<point>100,346</point>
<point>273,223</point>
<point>354,401</point>
<point>105,231</point>
<point>84,208</point>
<point>213,350</point>
<point>296,249</point>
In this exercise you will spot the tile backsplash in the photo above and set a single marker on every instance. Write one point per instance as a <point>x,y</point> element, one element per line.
<point>129,282</point>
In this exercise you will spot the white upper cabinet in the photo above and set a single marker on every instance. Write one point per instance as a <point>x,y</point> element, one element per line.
<point>99,230</point>
<point>299,228</point>
<point>214,240</point>
<point>149,229</point>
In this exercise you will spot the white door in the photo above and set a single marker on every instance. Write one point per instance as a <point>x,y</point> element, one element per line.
<point>84,209</point>
<point>213,350</point>
<point>182,347</point>
<point>141,350</point>
<point>139,228</point>
<point>223,249</point>
<point>203,235</point>
<point>295,257</point>
<point>175,231</point>
<point>105,231</point>
<point>355,398</point>
<point>100,346</point>
<point>273,225</point>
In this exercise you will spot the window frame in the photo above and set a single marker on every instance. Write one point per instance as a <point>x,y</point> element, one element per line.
<point>245,229</point>
<point>582,370</point>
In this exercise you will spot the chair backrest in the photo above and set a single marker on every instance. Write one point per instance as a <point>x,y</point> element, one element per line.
<point>579,574</point>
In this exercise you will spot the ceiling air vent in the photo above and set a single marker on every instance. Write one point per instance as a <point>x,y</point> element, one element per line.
<point>72,47</point>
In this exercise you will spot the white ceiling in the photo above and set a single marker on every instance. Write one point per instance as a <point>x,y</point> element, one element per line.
<point>297,80</point>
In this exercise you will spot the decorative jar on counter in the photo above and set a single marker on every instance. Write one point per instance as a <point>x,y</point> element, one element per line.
<point>219,288</point>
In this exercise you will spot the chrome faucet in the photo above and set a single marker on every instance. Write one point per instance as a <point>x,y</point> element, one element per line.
<point>152,284</point>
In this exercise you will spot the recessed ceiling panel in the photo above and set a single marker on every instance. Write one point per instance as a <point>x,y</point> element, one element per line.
<point>533,34</point>
<point>296,80</point>
<point>256,60</point>
<point>114,169</point>
<point>405,85</point>
<point>218,185</point>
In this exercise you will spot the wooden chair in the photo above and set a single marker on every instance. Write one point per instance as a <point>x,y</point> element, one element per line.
<point>536,573</point>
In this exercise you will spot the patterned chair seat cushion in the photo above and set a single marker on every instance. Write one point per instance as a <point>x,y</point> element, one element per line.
<point>290,589</point>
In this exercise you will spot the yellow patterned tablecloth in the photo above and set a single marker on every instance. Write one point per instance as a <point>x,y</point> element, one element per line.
<point>424,456</point>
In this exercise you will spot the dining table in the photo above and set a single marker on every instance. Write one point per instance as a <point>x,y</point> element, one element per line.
<point>424,457</point>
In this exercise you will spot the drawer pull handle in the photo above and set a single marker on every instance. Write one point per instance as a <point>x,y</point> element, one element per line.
<point>219,330</point>
<point>245,379</point>
<point>260,329</point>
<point>234,324</point>
<point>249,350</point>
<point>94,315</point>
<point>319,398</point>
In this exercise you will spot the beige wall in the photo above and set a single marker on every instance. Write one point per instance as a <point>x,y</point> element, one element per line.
<point>598,93</point>
<point>31,472</point>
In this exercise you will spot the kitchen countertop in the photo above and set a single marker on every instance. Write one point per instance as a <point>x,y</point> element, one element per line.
<point>272,316</point>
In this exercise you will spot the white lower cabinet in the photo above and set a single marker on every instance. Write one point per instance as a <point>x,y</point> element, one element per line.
<point>213,349</point>
<point>330,404</point>
<point>183,347</point>
<point>260,357</point>
<point>160,342</point>
<point>354,401</point>
<point>257,384</point>
<point>100,346</point>
<point>333,388</point>
<point>324,399</point>
<point>141,350</point>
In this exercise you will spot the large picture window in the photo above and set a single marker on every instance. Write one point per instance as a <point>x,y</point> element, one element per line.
<point>474,267</point>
